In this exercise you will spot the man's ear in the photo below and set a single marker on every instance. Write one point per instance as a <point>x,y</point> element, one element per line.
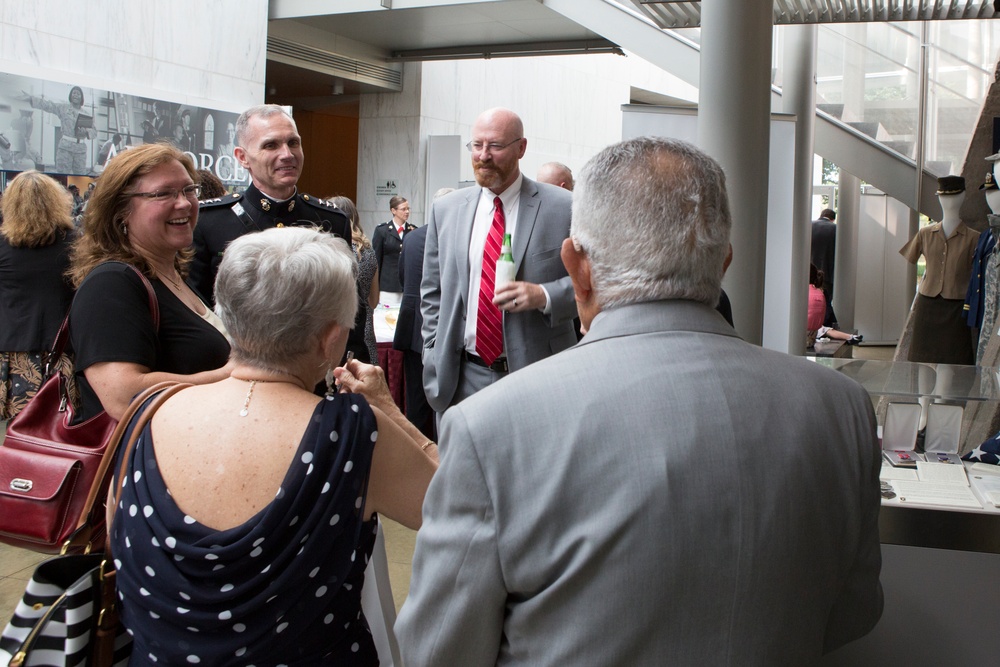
<point>241,156</point>
<point>577,263</point>
<point>728,260</point>
<point>578,267</point>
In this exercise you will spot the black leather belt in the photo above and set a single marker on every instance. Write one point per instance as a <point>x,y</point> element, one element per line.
<point>498,366</point>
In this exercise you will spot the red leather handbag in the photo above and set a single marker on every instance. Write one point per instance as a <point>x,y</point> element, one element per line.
<point>54,474</point>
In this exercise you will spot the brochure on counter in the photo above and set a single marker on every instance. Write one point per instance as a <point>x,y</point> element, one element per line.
<point>942,484</point>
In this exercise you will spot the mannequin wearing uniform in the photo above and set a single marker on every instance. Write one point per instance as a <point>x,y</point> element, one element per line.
<point>940,333</point>
<point>991,272</point>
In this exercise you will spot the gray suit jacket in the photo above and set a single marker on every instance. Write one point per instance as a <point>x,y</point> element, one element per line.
<point>663,493</point>
<point>542,225</point>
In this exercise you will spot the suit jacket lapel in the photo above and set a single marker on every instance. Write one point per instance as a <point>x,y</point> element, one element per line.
<point>527,213</point>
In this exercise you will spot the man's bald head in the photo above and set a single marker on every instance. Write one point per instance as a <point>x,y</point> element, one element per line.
<point>556,173</point>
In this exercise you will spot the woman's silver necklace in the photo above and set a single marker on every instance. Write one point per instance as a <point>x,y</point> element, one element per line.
<point>253,383</point>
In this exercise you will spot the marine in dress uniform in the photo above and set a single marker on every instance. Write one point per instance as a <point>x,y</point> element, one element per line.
<point>222,220</point>
<point>388,244</point>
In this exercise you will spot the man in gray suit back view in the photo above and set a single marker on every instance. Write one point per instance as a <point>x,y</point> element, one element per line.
<point>663,493</point>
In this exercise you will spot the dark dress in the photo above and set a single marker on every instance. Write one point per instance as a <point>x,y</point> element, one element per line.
<point>110,321</point>
<point>367,265</point>
<point>282,588</point>
<point>34,298</point>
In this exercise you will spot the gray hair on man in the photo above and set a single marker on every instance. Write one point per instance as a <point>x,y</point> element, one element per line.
<point>258,111</point>
<point>653,216</point>
<point>278,290</point>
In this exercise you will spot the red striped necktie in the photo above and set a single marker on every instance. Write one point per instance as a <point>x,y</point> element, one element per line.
<point>489,322</point>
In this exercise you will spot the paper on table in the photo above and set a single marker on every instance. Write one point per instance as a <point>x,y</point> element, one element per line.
<point>988,488</point>
<point>890,473</point>
<point>935,493</point>
<point>987,468</point>
<point>928,471</point>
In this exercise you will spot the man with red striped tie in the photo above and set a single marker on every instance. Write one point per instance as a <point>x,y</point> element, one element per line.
<point>475,332</point>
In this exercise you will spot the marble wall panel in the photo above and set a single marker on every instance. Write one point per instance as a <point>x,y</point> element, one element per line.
<point>404,103</point>
<point>29,47</point>
<point>125,26</point>
<point>388,148</point>
<point>187,51</point>
<point>440,95</point>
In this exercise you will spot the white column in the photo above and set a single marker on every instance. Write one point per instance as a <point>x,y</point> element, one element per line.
<point>733,127</point>
<point>798,96</point>
<point>845,266</point>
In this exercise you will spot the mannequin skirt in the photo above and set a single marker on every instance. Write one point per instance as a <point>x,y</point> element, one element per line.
<point>940,334</point>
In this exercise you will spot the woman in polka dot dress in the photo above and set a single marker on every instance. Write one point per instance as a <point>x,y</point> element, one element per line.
<point>249,507</point>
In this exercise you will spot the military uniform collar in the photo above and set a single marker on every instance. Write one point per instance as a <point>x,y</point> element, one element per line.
<point>278,208</point>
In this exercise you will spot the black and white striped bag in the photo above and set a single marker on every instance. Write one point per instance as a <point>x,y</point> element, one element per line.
<point>68,615</point>
<point>55,622</point>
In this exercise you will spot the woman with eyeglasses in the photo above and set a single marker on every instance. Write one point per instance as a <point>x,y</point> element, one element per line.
<point>387,240</point>
<point>141,214</point>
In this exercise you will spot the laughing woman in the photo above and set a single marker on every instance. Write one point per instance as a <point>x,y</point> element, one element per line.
<point>142,214</point>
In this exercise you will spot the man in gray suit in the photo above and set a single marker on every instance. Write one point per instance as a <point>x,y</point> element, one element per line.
<point>664,493</point>
<point>535,312</point>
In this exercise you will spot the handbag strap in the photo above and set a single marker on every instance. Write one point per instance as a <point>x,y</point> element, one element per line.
<point>107,619</point>
<point>83,533</point>
<point>163,391</point>
<point>28,643</point>
<point>62,336</point>
<point>107,615</point>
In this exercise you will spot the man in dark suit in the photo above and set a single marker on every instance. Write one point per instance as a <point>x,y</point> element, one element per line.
<point>407,337</point>
<point>270,148</point>
<point>823,251</point>
<point>470,339</point>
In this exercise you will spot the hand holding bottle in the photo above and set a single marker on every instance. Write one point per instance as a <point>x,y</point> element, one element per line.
<point>505,266</point>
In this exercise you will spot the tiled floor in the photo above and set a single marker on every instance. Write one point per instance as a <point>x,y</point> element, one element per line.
<point>16,566</point>
<point>399,543</point>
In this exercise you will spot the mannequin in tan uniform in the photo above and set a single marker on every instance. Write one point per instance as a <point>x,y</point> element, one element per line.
<point>940,334</point>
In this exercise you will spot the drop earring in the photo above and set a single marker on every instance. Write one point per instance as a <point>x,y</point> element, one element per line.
<point>331,383</point>
<point>124,230</point>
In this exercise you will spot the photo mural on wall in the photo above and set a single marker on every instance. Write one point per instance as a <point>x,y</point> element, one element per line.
<point>61,128</point>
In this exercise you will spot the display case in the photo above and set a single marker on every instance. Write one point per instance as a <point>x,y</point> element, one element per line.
<point>976,391</point>
<point>938,561</point>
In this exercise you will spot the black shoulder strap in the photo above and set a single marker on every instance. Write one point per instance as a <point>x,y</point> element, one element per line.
<point>62,337</point>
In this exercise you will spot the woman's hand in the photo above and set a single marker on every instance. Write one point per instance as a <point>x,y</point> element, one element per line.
<point>356,377</point>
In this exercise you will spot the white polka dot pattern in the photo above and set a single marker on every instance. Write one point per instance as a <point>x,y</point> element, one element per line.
<point>308,534</point>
